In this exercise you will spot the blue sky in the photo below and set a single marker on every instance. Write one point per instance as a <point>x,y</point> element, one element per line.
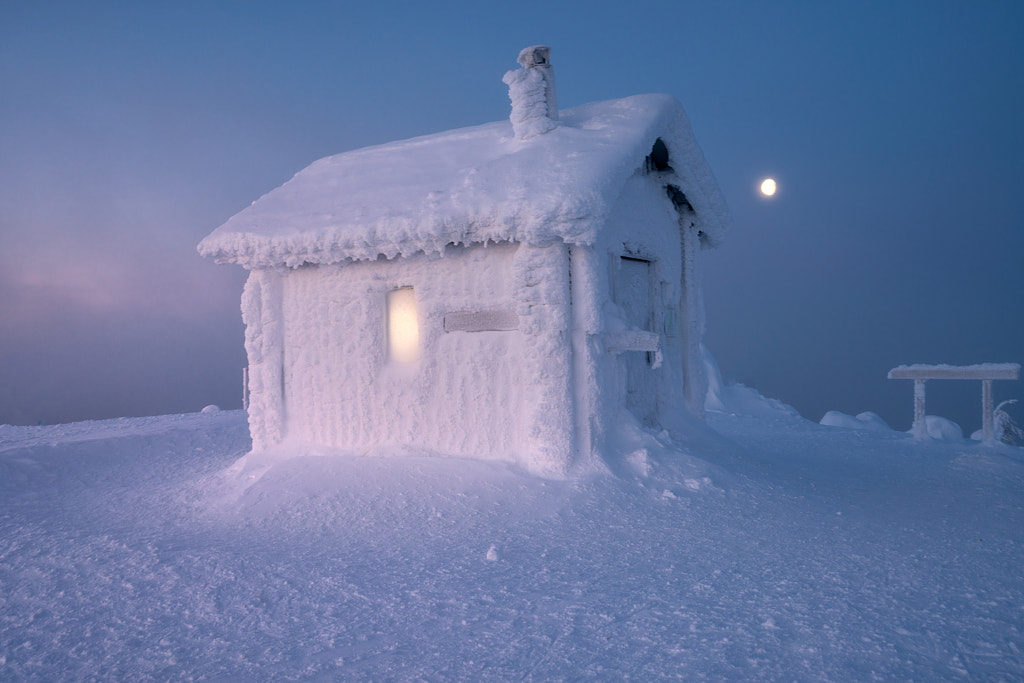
<point>129,131</point>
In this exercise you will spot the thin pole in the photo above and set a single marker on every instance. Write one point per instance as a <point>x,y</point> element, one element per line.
<point>920,429</point>
<point>987,412</point>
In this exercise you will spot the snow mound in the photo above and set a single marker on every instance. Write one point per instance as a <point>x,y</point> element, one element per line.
<point>941,429</point>
<point>866,420</point>
<point>736,399</point>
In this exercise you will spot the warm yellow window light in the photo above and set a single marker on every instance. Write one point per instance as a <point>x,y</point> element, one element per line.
<point>403,326</point>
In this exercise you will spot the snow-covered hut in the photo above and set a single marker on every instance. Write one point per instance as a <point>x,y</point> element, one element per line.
<point>506,291</point>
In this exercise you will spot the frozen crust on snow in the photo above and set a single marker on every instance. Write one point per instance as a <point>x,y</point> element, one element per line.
<point>471,185</point>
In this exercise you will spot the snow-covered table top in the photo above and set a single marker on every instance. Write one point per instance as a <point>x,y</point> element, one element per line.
<point>980,371</point>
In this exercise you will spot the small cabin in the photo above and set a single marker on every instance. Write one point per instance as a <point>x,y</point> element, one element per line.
<point>510,291</point>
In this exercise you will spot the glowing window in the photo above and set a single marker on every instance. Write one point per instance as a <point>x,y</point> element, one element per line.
<point>403,326</point>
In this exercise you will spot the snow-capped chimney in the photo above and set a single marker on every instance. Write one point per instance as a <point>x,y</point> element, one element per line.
<point>532,91</point>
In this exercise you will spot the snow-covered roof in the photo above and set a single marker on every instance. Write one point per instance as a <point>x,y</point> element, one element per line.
<point>470,185</point>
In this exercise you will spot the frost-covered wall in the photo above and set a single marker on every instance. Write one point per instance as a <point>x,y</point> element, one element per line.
<point>501,394</point>
<point>641,248</point>
<point>695,381</point>
<point>264,346</point>
<point>542,282</point>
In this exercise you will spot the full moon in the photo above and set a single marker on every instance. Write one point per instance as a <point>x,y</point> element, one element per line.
<point>768,187</point>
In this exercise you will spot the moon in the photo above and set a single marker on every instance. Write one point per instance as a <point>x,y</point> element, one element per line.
<point>768,187</point>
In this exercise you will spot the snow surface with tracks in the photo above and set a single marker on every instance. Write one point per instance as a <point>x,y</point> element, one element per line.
<point>765,548</point>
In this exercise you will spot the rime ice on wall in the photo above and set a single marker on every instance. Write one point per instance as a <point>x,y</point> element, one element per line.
<point>264,346</point>
<point>643,202</point>
<point>492,394</point>
<point>345,392</point>
<point>691,308</point>
<point>542,290</point>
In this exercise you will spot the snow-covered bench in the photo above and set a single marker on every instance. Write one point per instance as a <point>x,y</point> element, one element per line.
<point>986,372</point>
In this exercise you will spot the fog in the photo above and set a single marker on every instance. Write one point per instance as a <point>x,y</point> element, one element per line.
<point>128,133</point>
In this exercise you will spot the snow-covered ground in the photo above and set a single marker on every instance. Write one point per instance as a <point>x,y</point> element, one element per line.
<point>771,548</point>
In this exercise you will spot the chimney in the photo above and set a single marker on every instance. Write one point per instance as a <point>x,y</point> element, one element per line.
<point>532,91</point>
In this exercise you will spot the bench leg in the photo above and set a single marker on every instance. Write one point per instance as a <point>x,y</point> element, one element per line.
<point>987,412</point>
<point>919,429</point>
